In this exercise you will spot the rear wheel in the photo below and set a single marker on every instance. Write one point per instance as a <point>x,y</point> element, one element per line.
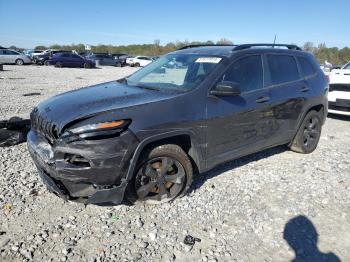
<point>87,65</point>
<point>137,64</point>
<point>162,174</point>
<point>46,62</point>
<point>19,62</point>
<point>118,64</point>
<point>309,134</point>
<point>59,65</point>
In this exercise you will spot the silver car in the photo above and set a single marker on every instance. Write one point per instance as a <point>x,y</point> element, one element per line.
<point>8,56</point>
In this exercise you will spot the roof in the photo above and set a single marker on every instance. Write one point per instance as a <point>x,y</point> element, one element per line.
<point>207,50</point>
<point>227,50</point>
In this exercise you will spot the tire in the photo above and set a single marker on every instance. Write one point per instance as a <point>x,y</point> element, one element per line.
<point>59,65</point>
<point>118,65</point>
<point>137,64</point>
<point>308,135</point>
<point>46,62</point>
<point>174,179</point>
<point>19,62</point>
<point>87,65</point>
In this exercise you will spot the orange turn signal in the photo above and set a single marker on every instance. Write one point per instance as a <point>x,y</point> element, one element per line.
<point>110,124</point>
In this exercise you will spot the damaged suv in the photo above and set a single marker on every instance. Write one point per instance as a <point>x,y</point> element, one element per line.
<point>143,137</point>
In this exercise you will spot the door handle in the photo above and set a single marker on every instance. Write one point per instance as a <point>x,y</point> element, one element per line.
<point>305,89</point>
<point>262,99</point>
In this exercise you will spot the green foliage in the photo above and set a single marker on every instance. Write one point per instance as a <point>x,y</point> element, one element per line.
<point>333,55</point>
<point>154,49</point>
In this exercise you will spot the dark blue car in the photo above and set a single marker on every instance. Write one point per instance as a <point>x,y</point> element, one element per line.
<point>70,60</point>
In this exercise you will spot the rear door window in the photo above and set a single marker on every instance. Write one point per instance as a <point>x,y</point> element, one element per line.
<point>247,71</point>
<point>283,69</point>
<point>306,67</point>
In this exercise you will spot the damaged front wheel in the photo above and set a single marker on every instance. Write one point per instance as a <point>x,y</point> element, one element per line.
<point>163,174</point>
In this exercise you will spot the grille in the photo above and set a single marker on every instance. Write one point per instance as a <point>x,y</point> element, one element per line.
<point>43,126</point>
<point>339,87</point>
<point>334,106</point>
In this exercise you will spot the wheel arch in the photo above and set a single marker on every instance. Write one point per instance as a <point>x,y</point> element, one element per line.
<point>184,139</point>
<point>319,108</point>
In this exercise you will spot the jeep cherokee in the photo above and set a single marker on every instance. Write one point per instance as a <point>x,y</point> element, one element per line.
<point>145,135</point>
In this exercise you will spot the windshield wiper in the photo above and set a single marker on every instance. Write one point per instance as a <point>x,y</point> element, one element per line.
<point>147,87</point>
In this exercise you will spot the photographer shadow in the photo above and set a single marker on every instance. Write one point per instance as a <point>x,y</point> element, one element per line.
<point>302,237</point>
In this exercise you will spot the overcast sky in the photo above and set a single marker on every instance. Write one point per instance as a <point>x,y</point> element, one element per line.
<point>40,22</point>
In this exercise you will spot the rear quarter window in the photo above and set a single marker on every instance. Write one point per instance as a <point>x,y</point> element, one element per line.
<point>283,69</point>
<point>306,67</point>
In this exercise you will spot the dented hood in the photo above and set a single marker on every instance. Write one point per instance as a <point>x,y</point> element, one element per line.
<point>81,103</point>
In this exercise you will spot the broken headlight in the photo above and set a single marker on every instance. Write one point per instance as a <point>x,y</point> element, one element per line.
<point>99,130</point>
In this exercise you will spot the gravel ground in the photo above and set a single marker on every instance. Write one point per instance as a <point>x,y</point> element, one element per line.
<point>245,210</point>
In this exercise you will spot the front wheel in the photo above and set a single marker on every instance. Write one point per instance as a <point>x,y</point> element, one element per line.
<point>46,62</point>
<point>87,65</point>
<point>309,134</point>
<point>162,174</point>
<point>19,62</point>
<point>137,64</point>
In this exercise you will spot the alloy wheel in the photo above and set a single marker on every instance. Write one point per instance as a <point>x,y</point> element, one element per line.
<point>311,132</point>
<point>160,179</point>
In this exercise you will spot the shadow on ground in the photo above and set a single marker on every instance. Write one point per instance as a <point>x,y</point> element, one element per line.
<point>301,235</point>
<point>200,179</point>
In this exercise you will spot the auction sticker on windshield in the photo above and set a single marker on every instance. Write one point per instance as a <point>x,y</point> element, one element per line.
<point>213,60</point>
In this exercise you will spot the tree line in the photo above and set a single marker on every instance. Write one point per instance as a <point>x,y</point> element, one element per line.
<point>334,55</point>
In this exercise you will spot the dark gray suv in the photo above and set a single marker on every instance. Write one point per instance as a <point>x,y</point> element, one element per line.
<point>144,136</point>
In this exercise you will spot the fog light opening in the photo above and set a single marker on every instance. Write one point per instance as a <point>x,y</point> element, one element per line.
<point>76,160</point>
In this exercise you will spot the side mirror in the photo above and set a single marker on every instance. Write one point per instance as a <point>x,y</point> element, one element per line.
<point>226,88</point>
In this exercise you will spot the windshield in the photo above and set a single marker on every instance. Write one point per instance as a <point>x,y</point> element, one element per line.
<point>181,72</point>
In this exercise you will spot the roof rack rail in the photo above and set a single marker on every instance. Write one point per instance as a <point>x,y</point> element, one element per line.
<point>246,46</point>
<point>201,45</point>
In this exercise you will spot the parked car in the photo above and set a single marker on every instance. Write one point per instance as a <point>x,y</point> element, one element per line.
<point>9,56</point>
<point>120,59</point>
<point>129,60</point>
<point>139,61</point>
<point>118,55</point>
<point>43,59</point>
<point>103,59</point>
<point>70,60</point>
<point>339,91</point>
<point>143,136</point>
<point>35,53</point>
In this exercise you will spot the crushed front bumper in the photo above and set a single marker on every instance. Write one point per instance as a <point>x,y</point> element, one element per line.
<point>99,175</point>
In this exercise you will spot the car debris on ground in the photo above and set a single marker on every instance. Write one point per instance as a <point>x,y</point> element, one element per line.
<point>32,94</point>
<point>13,131</point>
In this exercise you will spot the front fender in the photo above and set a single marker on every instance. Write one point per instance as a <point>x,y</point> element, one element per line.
<point>194,153</point>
